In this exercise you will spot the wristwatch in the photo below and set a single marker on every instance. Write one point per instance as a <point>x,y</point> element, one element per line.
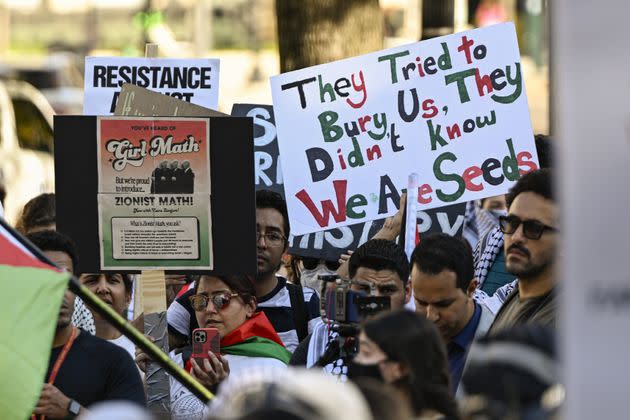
<point>73,409</point>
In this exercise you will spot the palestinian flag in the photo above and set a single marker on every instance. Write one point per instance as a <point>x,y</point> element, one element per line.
<point>255,338</point>
<point>31,295</point>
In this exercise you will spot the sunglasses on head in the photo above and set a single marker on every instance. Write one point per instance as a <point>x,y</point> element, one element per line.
<point>532,229</point>
<point>310,263</point>
<point>220,300</point>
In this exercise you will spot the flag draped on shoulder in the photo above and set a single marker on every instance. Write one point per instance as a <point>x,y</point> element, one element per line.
<point>255,338</point>
<point>31,296</point>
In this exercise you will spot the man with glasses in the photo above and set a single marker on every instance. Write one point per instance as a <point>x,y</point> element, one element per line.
<point>293,310</point>
<point>531,235</point>
<point>495,282</point>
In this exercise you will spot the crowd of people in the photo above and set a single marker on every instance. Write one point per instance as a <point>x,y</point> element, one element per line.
<point>464,329</point>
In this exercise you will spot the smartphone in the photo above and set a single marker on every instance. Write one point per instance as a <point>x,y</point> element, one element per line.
<point>203,341</point>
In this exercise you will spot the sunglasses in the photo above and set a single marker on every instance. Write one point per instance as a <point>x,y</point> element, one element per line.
<point>532,229</point>
<point>220,300</point>
<point>310,263</point>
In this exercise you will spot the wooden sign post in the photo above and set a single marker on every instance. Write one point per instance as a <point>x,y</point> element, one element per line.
<point>151,290</point>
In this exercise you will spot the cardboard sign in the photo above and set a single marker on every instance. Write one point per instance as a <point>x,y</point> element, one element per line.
<point>139,102</point>
<point>195,81</point>
<point>154,193</point>
<point>452,109</point>
<point>329,244</point>
<point>229,203</point>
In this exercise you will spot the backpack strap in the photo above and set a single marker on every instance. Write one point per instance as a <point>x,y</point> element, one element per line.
<point>296,295</point>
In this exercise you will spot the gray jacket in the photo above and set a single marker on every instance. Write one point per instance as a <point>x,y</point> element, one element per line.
<point>485,321</point>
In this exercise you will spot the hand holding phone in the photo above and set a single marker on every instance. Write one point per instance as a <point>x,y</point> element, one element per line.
<point>205,340</point>
<point>208,366</point>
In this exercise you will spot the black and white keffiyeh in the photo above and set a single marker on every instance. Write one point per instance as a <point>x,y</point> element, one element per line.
<point>485,253</point>
<point>82,317</point>
<point>478,223</point>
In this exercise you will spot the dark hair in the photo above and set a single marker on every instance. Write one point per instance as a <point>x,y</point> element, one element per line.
<point>439,251</point>
<point>39,211</point>
<point>380,254</point>
<point>514,383</point>
<point>382,399</point>
<point>538,182</point>
<point>127,282</point>
<point>50,240</point>
<point>239,283</point>
<point>544,149</point>
<point>414,342</point>
<point>267,199</point>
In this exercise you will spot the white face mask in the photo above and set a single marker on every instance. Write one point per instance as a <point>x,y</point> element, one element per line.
<point>309,277</point>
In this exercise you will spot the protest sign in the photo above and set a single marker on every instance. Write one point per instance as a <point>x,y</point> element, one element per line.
<point>330,244</point>
<point>452,109</point>
<point>192,80</point>
<point>138,102</point>
<point>225,188</point>
<point>154,192</point>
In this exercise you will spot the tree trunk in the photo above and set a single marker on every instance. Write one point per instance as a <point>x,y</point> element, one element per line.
<point>313,32</point>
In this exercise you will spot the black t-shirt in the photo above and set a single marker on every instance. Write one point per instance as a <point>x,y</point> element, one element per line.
<point>96,370</point>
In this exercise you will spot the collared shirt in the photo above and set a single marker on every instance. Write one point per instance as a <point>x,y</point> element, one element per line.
<point>459,345</point>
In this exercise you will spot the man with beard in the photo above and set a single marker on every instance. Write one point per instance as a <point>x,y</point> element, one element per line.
<point>531,234</point>
<point>82,369</point>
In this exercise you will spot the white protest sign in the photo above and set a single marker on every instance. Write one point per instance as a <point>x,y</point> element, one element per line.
<point>452,109</point>
<point>192,80</point>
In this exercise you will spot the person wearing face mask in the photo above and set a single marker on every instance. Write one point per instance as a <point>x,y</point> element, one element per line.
<point>312,268</point>
<point>481,217</point>
<point>227,303</point>
<point>404,349</point>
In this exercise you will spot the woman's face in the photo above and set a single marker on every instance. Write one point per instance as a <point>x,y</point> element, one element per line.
<point>228,318</point>
<point>371,354</point>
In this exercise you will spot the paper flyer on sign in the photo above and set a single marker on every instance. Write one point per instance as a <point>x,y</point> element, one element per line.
<point>192,80</point>
<point>452,109</point>
<point>154,193</point>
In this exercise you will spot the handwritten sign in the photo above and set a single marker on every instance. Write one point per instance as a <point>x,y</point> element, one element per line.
<point>452,109</point>
<point>329,244</point>
<point>195,81</point>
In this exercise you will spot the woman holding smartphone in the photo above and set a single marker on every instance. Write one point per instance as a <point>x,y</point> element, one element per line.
<point>247,338</point>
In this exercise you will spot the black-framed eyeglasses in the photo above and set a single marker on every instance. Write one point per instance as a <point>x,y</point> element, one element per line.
<point>532,229</point>
<point>311,263</point>
<point>271,238</point>
<point>220,300</point>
